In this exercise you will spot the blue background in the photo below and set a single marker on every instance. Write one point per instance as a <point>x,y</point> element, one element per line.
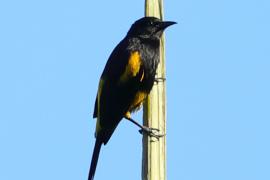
<point>218,59</point>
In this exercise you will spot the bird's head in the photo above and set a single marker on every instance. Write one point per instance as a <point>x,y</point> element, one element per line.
<point>149,28</point>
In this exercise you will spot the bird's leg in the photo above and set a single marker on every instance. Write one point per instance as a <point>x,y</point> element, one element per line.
<point>159,79</point>
<point>152,132</point>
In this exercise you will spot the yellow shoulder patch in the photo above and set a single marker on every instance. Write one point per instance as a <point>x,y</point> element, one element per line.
<point>133,66</point>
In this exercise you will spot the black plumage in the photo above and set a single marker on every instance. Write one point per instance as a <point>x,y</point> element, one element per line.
<point>127,79</point>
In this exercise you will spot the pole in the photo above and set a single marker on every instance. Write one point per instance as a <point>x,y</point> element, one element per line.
<point>154,112</point>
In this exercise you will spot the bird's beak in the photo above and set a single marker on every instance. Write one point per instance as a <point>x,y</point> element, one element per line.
<point>163,25</point>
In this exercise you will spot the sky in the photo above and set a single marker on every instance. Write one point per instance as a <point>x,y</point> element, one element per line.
<point>218,82</point>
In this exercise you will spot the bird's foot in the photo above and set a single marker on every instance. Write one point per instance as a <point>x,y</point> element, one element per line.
<point>160,79</point>
<point>152,132</point>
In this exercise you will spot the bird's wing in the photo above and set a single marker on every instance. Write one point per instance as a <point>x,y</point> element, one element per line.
<point>117,87</point>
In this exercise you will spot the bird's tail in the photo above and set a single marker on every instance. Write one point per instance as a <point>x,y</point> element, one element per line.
<point>94,159</point>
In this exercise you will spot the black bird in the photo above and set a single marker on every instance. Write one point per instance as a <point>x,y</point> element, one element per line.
<point>127,79</point>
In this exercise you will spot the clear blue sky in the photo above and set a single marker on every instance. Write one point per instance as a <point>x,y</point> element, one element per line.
<point>218,83</point>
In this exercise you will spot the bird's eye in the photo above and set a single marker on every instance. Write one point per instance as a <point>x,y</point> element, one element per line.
<point>150,23</point>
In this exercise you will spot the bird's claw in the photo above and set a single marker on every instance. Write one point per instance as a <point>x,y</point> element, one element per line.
<point>152,132</point>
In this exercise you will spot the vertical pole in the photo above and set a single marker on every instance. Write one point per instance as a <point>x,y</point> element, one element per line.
<point>154,112</point>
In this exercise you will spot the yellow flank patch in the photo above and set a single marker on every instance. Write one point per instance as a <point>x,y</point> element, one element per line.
<point>137,101</point>
<point>132,67</point>
<point>100,87</point>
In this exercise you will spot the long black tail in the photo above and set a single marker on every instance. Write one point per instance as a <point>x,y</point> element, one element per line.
<point>94,159</point>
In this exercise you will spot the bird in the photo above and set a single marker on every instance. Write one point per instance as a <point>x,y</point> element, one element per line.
<point>126,80</point>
